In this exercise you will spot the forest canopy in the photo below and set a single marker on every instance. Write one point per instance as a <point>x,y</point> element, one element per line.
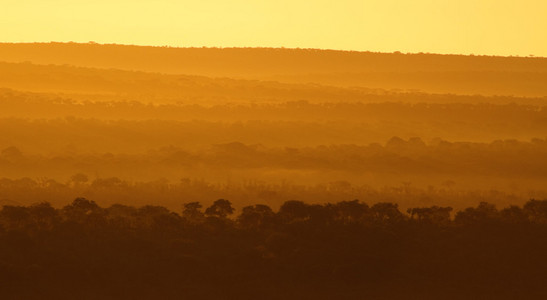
<point>131,172</point>
<point>346,249</point>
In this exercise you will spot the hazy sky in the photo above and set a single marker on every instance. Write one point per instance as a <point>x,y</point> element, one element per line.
<point>499,27</point>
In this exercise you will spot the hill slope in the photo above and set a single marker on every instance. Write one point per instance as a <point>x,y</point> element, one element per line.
<point>427,72</point>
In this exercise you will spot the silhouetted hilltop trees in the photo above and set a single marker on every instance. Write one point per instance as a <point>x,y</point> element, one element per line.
<point>398,160</point>
<point>345,250</point>
<point>254,60</point>
<point>107,191</point>
<point>426,72</point>
<point>290,105</point>
<point>42,216</point>
<point>445,152</point>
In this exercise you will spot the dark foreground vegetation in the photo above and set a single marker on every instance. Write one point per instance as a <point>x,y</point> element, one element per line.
<point>347,250</point>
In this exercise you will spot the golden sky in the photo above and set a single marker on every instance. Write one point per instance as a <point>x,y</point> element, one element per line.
<point>493,27</point>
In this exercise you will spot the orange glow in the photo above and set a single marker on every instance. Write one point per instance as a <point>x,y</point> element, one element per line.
<point>492,27</point>
<point>344,149</point>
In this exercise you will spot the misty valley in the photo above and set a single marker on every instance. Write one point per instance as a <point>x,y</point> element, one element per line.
<point>132,172</point>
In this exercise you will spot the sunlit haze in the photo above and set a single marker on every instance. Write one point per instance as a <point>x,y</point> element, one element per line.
<point>288,149</point>
<point>490,27</point>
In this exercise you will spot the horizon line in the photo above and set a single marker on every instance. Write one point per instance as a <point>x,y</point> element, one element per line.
<point>530,56</point>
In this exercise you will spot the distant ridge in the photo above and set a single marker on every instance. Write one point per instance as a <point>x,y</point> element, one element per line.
<point>430,73</point>
<point>255,61</point>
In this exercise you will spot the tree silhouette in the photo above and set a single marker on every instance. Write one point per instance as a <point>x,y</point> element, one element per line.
<point>256,217</point>
<point>386,212</point>
<point>350,211</point>
<point>513,215</point>
<point>294,211</point>
<point>15,217</point>
<point>192,212</point>
<point>482,214</point>
<point>81,210</point>
<point>44,215</point>
<point>78,179</point>
<point>433,215</point>
<point>536,210</point>
<point>221,208</point>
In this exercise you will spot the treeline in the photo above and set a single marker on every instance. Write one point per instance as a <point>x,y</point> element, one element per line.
<point>117,85</point>
<point>309,125</point>
<point>344,250</point>
<point>428,72</point>
<point>110,190</point>
<point>256,60</point>
<point>370,105</point>
<point>502,158</point>
<point>130,136</point>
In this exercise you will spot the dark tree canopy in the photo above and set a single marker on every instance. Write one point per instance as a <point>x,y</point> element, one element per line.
<point>221,208</point>
<point>342,250</point>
